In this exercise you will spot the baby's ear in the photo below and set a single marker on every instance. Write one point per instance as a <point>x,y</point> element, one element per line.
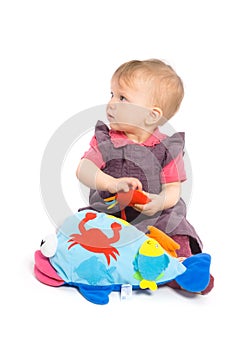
<point>153,117</point>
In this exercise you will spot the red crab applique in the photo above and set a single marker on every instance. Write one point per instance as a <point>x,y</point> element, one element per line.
<point>95,240</point>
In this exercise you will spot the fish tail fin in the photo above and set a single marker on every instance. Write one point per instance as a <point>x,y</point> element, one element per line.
<point>112,204</point>
<point>148,284</point>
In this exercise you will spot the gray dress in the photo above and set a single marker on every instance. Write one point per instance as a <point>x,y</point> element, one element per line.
<point>144,163</point>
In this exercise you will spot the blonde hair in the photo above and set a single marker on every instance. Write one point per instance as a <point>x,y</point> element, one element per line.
<point>165,85</point>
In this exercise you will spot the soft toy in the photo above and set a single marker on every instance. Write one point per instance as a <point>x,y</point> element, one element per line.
<point>150,264</point>
<point>98,253</point>
<point>139,197</point>
<point>127,199</point>
<point>166,242</point>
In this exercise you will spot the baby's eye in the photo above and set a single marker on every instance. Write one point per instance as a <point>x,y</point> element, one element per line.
<point>122,98</point>
<point>112,95</point>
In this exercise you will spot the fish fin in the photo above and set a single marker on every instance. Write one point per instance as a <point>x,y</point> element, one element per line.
<point>96,295</point>
<point>159,276</point>
<point>137,276</point>
<point>109,274</point>
<point>112,205</point>
<point>135,263</point>
<point>110,202</point>
<point>148,284</point>
<point>164,240</point>
<point>109,199</point>
<point>111,269</point>
<point>46,279</point>
<point>45,272</point>
<point>197,274</point>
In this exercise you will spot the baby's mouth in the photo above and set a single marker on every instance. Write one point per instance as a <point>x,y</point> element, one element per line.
<point>110,117</point>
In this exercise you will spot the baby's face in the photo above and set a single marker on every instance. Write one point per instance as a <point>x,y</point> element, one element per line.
<point>129,106</point>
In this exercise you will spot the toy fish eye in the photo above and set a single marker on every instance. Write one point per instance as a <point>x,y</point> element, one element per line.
<point>48,245</point>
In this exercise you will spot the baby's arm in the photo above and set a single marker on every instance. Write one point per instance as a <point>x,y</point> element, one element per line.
<point>90,175</point>
<point>167,198</point>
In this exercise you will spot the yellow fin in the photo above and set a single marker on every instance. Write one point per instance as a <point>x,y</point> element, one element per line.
<point>111,206</point>
<point>148,284</point>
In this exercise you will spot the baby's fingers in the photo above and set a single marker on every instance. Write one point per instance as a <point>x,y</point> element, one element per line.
<point>146,209</point>
<point>122,186</point>
<point>136,184</point>
<point>139,207</point>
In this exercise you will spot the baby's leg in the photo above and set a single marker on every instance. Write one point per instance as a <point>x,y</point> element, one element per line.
<point>183,241</point>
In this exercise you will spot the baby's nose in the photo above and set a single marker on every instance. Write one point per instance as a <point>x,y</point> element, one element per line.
<point>112,104</point>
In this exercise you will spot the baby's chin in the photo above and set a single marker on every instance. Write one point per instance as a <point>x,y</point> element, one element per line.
<point>114,125</point>
<point>117,127</point>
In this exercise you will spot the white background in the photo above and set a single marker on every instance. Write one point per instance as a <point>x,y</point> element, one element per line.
<point>57,58</point>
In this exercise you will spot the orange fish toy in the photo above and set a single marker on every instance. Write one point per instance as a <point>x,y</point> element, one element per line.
<point>127,199</point>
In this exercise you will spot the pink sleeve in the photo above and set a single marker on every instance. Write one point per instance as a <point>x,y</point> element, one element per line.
<point>94,154</point>
<point>174,171</point>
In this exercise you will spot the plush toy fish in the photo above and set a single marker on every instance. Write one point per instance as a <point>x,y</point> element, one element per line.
<point>150,263</point>
<point>98,253</point>
<point>127,199</point>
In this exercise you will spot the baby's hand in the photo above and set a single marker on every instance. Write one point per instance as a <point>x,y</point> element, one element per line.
<point>124,184</point>
<point>151,208</point>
